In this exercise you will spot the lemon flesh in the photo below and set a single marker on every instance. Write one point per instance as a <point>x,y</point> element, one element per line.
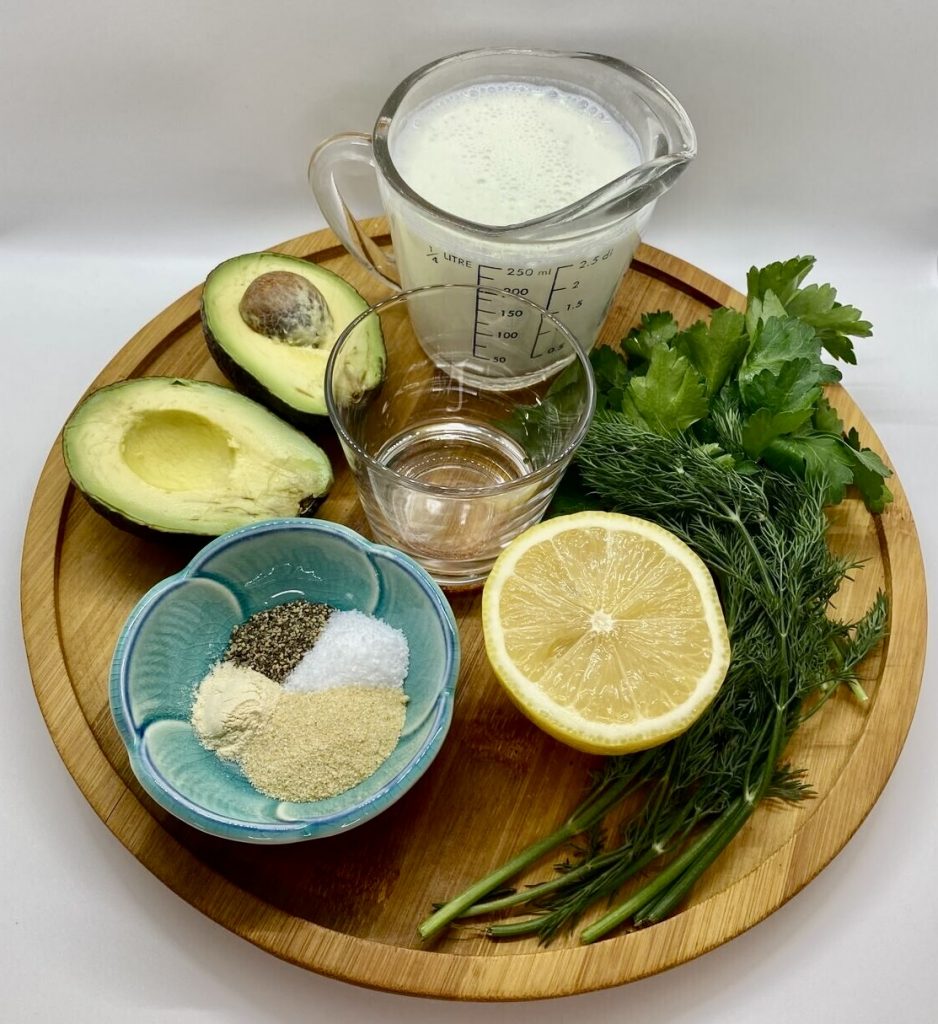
<point>606,630</point>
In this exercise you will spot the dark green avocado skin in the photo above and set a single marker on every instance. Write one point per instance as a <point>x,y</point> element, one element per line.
<point>308,508</point>
<point>310,423</point>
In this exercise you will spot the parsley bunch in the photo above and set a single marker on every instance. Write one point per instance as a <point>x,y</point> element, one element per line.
<point>751,383</point>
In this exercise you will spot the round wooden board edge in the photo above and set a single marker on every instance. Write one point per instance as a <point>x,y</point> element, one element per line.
<point>524,975</point>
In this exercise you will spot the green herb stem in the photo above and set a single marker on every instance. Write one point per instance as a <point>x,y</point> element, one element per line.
<point>711,839</point>
<point>514,929</point>
<point>534,893</point>
<point>675,894</point>
<point>448,913</point>
<point>592,811</point>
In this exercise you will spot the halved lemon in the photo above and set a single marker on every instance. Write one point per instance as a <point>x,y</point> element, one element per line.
<point>606,631</point>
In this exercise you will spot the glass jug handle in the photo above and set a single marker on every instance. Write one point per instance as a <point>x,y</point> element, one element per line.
<point>327,158</point>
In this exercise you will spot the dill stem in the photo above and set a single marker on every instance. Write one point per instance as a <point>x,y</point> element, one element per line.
<point>662,905</point>
<point>535,892</point>
<point>593,810</point>
<point>653,889</point>
<point>856,688</point>
<point>514,929</point>
<point>658,909</point>
<point>436,922</point>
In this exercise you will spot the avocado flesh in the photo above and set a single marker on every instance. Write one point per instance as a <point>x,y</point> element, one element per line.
<point>288,378</point>
<point>189,457</point>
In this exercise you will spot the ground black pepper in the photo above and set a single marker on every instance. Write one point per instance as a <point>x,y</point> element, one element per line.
<point>273,641</point>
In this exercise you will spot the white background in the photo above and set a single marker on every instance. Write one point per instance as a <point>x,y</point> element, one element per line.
<point>142,143</point>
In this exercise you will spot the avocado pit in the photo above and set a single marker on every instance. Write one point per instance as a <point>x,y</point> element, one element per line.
<point>286,307</point>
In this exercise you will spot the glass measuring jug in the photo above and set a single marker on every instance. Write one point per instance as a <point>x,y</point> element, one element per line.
<point>568,261</point>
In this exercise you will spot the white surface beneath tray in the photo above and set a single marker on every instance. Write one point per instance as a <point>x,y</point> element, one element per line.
<point>144,143</point>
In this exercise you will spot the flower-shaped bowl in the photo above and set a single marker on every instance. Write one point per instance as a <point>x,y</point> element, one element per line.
<point>181,627</point>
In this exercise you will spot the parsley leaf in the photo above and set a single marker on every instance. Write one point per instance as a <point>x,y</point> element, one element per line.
<point>826,420</point>
<point>760,310</point>
<point>669,397</point>
<point>782,279</point>
<point>835,461</point>
<point>717,348</point>
<point>656,331</point>
<point>795,385</point>
<point>612,377</point>
<point>818,458</point>
<point>869,474</point>
<point>763,427</point>
<point>779,342</point>
<point>748,385</point>
<point>817,305</point>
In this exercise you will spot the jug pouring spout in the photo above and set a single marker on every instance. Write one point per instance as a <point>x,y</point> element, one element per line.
<point>665,143</point>
<point>625,197</point>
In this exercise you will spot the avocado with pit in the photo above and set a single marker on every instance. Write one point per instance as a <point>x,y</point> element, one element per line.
<point>175,456</point>
<point>270,322</point>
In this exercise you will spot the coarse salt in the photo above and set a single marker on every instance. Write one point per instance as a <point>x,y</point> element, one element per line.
<point>352,649</point>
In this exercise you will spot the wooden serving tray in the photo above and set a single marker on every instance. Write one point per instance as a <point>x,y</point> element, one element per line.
<point>348,906</point>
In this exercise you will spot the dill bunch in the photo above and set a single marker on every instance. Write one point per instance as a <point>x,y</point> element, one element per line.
<point>764,538</point>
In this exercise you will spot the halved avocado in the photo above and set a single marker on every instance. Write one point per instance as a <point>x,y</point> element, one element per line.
<point>188,457</point>
<point>270,322</point>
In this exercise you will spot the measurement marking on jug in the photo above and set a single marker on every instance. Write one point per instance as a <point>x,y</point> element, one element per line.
<point>477,345</point>
<point>537,338</point>
<point>553,285</point>
<point>492,319</point>
<point>541,330</point>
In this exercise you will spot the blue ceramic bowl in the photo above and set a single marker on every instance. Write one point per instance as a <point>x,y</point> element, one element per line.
<point>181,627</point>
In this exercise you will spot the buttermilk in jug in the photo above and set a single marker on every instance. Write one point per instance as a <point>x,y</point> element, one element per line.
<point>503,153</point>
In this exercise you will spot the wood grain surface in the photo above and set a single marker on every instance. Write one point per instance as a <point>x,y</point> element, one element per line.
<point>348,906</point>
